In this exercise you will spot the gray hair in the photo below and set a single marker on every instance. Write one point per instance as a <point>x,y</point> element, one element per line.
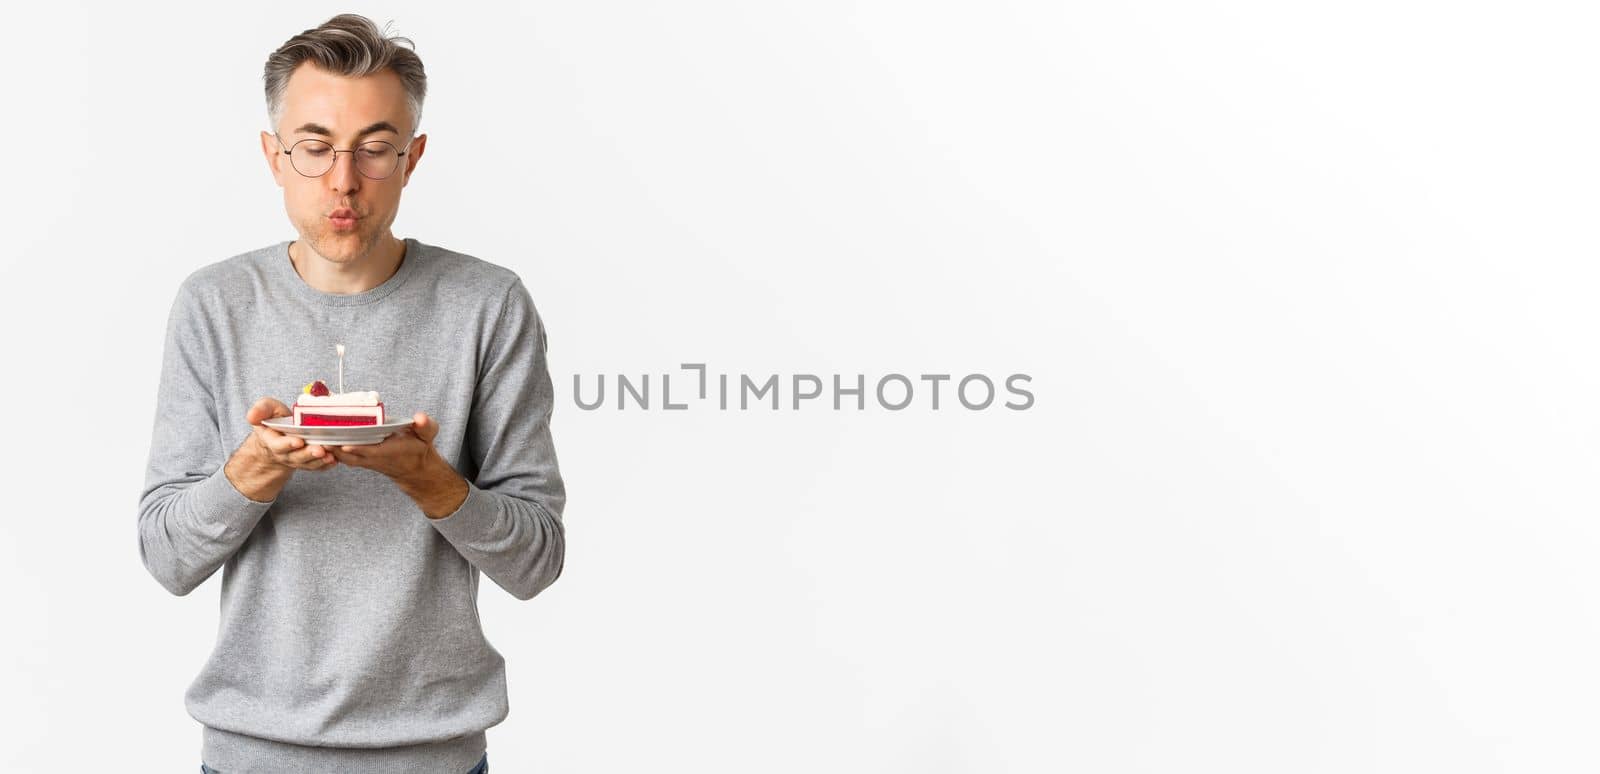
<point>352,46</point>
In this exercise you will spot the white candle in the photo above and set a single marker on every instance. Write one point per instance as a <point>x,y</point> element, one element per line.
<point>340,349</point>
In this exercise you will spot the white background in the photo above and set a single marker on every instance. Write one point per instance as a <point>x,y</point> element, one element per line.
<point>1307,296</point>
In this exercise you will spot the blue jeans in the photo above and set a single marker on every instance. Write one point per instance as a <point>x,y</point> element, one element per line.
<point>481,768</point>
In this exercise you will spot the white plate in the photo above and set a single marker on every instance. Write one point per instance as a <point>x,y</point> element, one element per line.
<point>352,435</point>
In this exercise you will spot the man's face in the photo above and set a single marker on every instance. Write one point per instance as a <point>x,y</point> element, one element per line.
<point>344,112</point>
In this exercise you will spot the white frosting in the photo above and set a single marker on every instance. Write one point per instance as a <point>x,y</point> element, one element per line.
<point>341,399</point>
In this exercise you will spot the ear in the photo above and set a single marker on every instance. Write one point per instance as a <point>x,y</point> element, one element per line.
<point>274,154</point>
<point>413,156</point>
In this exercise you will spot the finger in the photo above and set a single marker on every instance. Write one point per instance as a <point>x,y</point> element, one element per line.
<point>307,461</point>
<point>266,439</point>
<point>324,458</point>
<point>267,435</point>
<point>311,456</point>
<point>284,444</point>
<point>343,455</point>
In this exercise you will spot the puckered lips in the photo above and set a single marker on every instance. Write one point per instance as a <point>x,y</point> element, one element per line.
<point>343,219</point>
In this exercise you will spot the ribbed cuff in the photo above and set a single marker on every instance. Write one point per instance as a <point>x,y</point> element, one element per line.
<point>471,519</point>
<point>218,502</point>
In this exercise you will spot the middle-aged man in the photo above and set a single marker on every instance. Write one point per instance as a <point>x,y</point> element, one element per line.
<point>349,638</point>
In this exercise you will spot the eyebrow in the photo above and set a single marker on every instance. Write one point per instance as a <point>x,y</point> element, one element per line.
<point>381,126</point>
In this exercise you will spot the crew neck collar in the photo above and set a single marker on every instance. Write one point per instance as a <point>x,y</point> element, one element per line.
<point>408,262</point>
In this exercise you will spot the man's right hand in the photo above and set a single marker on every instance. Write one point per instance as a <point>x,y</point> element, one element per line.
<point>266,460</point>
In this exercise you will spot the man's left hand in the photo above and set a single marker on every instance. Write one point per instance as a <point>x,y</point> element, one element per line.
<point>409,458</point>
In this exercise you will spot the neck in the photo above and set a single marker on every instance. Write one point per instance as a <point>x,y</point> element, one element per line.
<point>347,276</point>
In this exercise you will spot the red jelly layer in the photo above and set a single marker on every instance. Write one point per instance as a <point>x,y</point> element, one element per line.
<point>326,420</point>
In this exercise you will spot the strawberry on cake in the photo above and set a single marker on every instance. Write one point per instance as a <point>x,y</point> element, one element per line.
<point>317,407</point>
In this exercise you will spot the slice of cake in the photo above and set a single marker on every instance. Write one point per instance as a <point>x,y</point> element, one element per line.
<point>317,407</point>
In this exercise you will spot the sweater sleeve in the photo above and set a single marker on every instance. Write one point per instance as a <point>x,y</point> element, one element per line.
<point>191,517</point>
<point>509,527</point>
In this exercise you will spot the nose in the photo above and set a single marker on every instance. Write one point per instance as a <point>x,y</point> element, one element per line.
<point>344,176</point>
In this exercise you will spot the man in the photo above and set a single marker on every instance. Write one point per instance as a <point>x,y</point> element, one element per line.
<point>349,638</point>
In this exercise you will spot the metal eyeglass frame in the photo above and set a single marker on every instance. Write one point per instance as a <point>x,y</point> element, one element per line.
<point>399,154</point>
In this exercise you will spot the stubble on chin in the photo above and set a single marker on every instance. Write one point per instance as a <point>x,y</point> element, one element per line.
<point>341,248</point>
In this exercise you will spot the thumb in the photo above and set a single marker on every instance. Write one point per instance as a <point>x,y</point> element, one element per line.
<point>266,408</point>
<point>425,427</point>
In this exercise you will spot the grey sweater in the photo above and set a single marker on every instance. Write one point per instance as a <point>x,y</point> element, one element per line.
<point>349,637</point>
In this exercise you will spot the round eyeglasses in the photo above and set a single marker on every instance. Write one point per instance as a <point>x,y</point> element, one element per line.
<point>375,159</point>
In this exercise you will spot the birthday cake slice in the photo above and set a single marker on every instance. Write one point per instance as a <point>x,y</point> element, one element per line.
<point>317,407</point>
